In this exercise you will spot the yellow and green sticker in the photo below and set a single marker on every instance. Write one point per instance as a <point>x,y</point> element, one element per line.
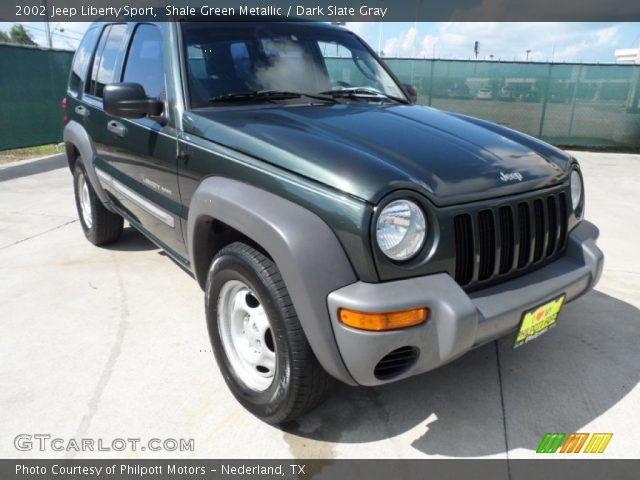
<point>574,443</point>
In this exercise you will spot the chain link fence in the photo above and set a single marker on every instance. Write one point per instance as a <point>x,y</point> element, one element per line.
<point>566,104</point>
<point>32,84</point>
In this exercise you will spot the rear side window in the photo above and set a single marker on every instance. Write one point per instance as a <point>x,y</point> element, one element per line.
<point>104,63</point>
<point>82,59</point>
<point>144,63</point>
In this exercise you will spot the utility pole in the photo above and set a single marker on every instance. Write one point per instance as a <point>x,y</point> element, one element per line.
<point>380,35</point>
<point>415,31</point>
<point>47,28</point>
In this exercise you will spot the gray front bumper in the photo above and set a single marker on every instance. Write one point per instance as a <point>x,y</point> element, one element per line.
<point>458,321</point>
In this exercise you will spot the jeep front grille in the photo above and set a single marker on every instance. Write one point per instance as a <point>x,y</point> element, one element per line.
<point>494,242</point>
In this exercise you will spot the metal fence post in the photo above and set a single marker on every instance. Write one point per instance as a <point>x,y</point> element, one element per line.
<point>433,67</point>
<point>573,101</point>
<point>544,103</point>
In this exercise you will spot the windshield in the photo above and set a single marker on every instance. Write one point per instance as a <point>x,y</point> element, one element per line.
<point>236,58</point>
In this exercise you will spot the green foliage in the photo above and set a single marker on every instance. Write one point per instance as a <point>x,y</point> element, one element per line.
<point>20,35</point>
<point>4,38</point>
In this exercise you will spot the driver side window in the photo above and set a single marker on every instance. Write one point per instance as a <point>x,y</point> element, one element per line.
<point>145,63</point>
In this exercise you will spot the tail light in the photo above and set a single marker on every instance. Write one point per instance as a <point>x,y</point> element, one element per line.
<point>65,104</point>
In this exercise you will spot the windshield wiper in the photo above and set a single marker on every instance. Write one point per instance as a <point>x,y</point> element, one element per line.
<point>360,92</point>
<point>269,95</point>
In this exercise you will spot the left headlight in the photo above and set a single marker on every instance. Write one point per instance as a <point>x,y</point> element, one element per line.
<point>401,229</point>
<point>577,191</point>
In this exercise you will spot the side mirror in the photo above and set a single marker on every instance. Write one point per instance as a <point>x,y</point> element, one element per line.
<point>129,100</point>
<point>411,92</point>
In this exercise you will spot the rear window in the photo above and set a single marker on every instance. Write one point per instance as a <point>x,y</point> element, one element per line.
<point>82,59</point>
<point>104,63</point>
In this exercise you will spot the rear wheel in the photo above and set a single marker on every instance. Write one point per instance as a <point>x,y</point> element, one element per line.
<point>257,339</point>
<point>99,225</point>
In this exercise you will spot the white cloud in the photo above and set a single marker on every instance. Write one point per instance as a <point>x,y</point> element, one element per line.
<point>562,42</point>
<point>403,45</point>
<point>369,31</point>
<point>359,28</point>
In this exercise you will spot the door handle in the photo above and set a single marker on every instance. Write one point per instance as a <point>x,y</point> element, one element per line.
<point>82,111</point>
<point>117,128</point>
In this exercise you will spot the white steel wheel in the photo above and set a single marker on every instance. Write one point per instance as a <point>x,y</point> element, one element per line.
<point>84,198</point>
<point>257,339</point>
<point>246,335</point>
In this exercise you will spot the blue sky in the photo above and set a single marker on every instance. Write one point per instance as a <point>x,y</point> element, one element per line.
<point>560,42</point>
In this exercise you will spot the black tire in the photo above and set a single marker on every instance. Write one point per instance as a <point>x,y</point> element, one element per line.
<point>102,226</point>
<point>299,383</point>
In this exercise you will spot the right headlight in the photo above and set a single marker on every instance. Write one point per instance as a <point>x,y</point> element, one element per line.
<point>401,229</point>
<point>577,191</point>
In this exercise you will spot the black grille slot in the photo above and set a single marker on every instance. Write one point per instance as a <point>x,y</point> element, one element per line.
<point>507,240</point>
<point>538,212</point>
<point>395,363</point>
<point>553,225</point>
<point>562,203</point>
<point>487,237</point>
<point>525,234</point>
<point>491,243</point>
<point>464,249</point>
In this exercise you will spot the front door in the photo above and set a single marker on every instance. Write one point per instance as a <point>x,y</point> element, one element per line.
<point>138,158</point>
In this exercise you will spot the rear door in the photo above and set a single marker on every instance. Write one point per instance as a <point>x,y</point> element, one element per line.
<point>106,60</point>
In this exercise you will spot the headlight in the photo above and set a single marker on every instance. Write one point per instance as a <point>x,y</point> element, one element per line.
<point>576,190</point>
<point>401,229</point>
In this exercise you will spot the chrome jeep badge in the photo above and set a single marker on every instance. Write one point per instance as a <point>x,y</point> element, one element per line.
<point>510,177</point>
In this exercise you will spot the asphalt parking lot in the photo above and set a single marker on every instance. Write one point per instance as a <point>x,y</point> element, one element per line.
<point>111,343</point>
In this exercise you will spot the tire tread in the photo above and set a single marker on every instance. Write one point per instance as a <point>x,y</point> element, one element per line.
<point>309,382</point>
<point>107,226</point>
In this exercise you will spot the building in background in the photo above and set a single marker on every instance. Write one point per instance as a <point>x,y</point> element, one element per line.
<point>628,55</point>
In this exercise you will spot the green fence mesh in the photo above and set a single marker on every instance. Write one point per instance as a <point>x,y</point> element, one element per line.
<point>32,84</point>
<point>567,104</point>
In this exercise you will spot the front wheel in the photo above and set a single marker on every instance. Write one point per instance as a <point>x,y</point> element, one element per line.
<point>257,339</point>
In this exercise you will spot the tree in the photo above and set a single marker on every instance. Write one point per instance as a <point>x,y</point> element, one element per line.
<point>20,35</point>
<point>4,38</point>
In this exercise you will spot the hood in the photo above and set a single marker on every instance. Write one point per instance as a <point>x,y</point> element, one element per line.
<point>369,150</point>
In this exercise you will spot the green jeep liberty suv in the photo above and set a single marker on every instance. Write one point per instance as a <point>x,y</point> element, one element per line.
<point>338,230</point>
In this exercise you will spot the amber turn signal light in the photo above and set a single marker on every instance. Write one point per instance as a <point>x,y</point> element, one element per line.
<point>383,321</point>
